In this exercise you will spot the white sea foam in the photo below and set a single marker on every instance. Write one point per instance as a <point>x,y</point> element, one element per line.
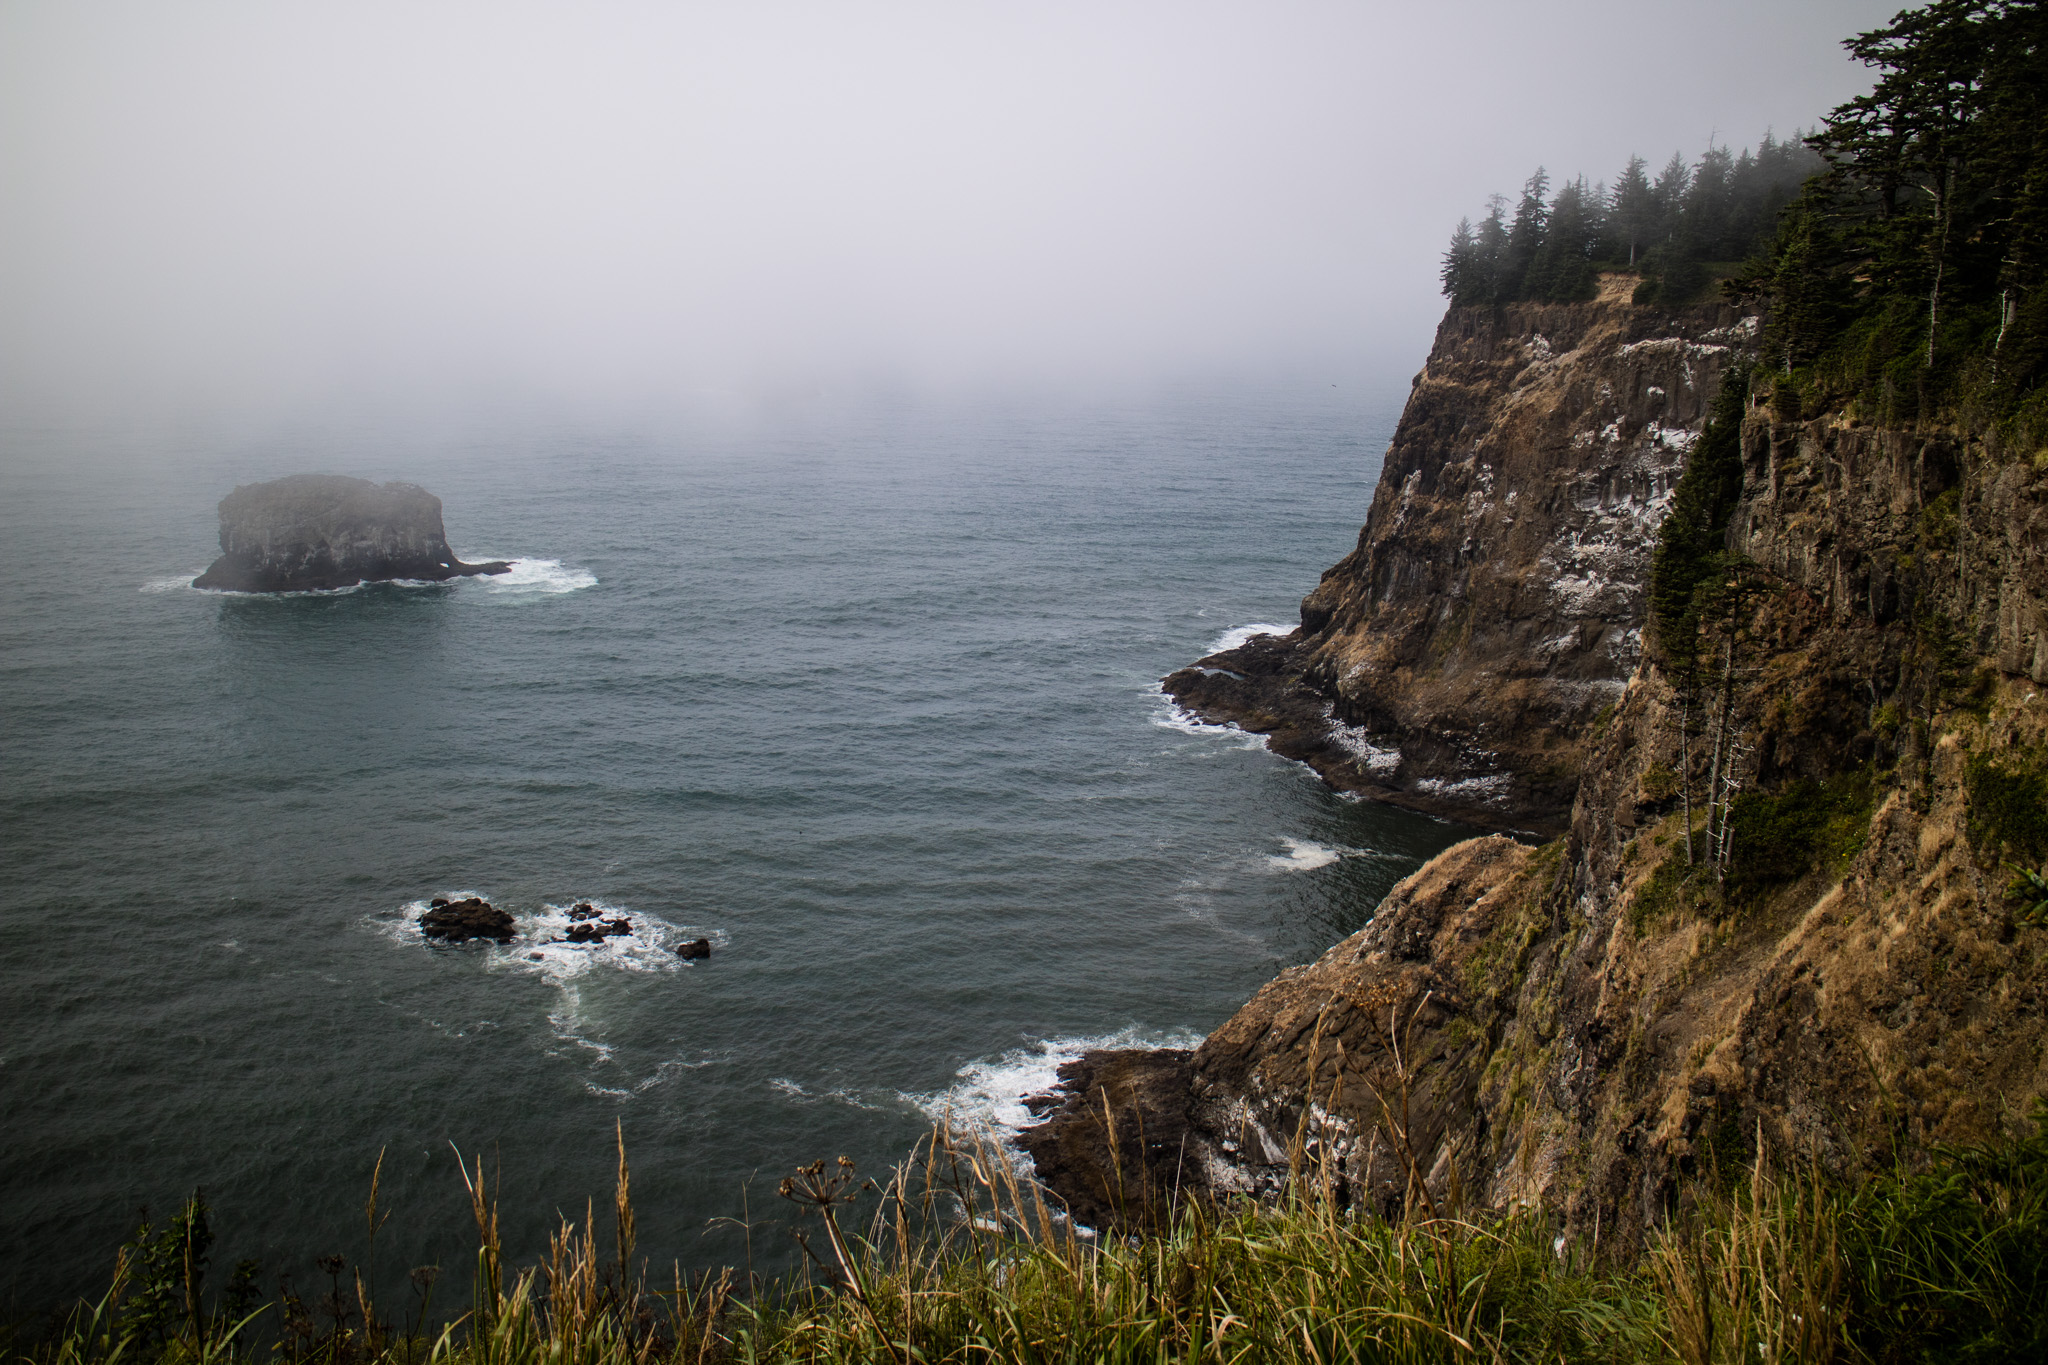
<point>526,578</point>
<point>302,592</point>
<point>989,1093</point>
<point>1175,717</point>
<point>837,1095</point>
<point>651,947</point>
<point>1169,715</point>
<point>1305,855</point>
<point>1237,635</point>
<point>535,578</point>
<point>536,952</point>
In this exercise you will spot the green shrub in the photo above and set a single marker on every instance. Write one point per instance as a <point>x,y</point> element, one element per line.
<point>1779,837</point>
<point>1674,888</point>
<point>1692,541</point>
<point>1951,1263</point>
<point>2030,889</point>
<point>2009,803</point>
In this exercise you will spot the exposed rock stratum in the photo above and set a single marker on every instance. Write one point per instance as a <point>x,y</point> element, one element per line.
<point>1495,602</point>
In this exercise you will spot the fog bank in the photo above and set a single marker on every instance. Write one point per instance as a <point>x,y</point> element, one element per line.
<point>245,208</point>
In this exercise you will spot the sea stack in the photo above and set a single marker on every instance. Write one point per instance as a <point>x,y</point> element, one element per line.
<point>315,531</point>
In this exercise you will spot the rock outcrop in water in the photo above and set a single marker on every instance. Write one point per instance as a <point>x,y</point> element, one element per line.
<point>1586,1025</point>
<point>597,931</point>
<point>460,921</point>
<point>322,531</point>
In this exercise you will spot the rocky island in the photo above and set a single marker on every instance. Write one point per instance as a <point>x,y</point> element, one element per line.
<point>324,531</point>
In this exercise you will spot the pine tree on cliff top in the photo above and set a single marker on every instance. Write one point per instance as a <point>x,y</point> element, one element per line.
<point>1525,238</point>
<point>1632,211</point>
<point>1721,211</point>
<point>1563,266</point>
<point>1910,274</point>
<point>1668,193</point>
<point>1493,250</point>
<point>1460,273</point>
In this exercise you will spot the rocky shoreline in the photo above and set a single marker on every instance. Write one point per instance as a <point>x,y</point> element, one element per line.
<point>1588,1025</point>
<point>1310,1074</point>
<point>1455,662</point>
<point>1266,687</point>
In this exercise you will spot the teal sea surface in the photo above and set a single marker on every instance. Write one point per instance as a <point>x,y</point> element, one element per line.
<point>867,697</point>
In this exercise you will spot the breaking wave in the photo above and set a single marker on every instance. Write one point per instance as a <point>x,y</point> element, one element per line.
<point>526,578</point>
<point>536,578</point>
<point>1305,855</point>
<point>1237,635</point>
<point>988,1093</point>
<point>1170,715</point>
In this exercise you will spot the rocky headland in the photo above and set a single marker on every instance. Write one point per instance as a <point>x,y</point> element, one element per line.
<point>1453,662</point>
<point>324,531</point>
<point>1772,914</point>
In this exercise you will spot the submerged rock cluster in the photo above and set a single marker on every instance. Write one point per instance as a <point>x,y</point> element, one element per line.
<point>473,917</point>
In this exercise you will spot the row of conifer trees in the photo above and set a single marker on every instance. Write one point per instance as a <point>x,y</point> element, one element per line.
<point>1721,208</point>
<point>1899,252</point>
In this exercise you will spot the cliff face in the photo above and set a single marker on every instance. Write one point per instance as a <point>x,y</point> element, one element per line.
<point>1585,1025</point>
<point>1495,602</point>
<point>317,531</point>
<point>1880,997</point>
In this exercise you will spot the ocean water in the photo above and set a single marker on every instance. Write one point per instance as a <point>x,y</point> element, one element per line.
<point>866,696</point>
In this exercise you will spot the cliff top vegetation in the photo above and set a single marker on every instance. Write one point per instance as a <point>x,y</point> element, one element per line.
<point>957,1258</point>
<point>1675,228</point>
<point>1907,276</point>
<point>1899,248</point>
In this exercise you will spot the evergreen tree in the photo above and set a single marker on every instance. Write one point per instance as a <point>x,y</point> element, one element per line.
<point>1461,269</point>
<point>1724,209</point>
<point>1525,237</point>
<point>1911,272</point>
<point>1692,539</point>
<point>1563,265</point>
<point>1632,214</point>
<point>1493,251</point>
<point>1668,197</point>
<point>1702,228</point>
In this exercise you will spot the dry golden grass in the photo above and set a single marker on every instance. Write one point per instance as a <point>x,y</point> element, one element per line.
<point>957,1257</point>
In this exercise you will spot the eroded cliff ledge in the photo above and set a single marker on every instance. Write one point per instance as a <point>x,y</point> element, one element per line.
<point>1495,602</point>
<point>323,531</point>
<point>1585,1026</point>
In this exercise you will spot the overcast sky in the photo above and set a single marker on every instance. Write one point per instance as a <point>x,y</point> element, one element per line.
<point>266,205</point>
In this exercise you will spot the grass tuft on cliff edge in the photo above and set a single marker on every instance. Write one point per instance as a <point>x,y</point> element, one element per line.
<point>957,1259</point>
